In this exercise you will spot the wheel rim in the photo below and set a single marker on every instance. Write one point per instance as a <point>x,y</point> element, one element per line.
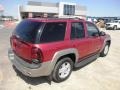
<point>106,49</point>
<point>64,70</point>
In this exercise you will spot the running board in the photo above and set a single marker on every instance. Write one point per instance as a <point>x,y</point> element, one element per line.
<point>86,61</point>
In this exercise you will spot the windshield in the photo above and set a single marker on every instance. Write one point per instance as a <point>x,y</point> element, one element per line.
<point>27,30</point>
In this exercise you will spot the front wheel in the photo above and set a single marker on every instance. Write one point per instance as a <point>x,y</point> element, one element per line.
<point>62,69</point>
<point>105,50</point>
<point>115,27</point>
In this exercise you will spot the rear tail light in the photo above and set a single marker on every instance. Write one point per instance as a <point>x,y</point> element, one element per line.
<point>13,42</point>
<point>36,55</point>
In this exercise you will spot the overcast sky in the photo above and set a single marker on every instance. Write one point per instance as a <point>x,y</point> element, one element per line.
<point>94,7</point>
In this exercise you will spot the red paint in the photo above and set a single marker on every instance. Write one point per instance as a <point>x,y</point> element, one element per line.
<point>84,46</point>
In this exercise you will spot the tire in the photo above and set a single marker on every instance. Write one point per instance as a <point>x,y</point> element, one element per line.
<point>106,28</point>
<point>115,27</point>
<point>62,72</point>
<point>105,50</point>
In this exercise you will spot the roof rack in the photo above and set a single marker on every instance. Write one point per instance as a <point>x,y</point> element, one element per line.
<point>76,18</point>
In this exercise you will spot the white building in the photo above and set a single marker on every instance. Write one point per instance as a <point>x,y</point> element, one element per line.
<point>44,9</point>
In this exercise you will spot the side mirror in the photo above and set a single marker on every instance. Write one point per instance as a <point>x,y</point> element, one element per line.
<point>102,33</point>
<point>95,34</point>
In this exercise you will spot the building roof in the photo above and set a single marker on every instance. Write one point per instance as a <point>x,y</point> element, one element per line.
<point>49,4</point>
<point>37,3</point>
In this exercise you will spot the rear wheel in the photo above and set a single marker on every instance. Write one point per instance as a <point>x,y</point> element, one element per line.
<point>62,69</point>
<point>105,50</point>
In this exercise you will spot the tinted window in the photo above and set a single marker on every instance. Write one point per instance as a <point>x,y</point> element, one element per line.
<point>53,32</point>
<point>77,30</point>
<point>91,28</point>
<point>27,30</point>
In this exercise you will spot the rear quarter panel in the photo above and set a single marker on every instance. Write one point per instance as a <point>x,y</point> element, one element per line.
<point>49,49</point>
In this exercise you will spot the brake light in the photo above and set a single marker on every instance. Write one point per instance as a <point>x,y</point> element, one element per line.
<point>36,55</point>
<point>13,42</point>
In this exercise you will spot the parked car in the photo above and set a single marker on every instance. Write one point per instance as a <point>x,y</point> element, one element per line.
<point>113,25</point>
<point>53,47</point>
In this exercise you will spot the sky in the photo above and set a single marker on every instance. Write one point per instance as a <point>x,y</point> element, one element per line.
<point>94,7</point>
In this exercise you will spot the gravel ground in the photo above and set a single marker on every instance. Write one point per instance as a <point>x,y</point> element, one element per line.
<point>102,74</point>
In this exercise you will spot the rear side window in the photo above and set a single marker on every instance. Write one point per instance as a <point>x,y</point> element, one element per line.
<point>77,30</point>
<point>53,32</point>
<point>27,30</point>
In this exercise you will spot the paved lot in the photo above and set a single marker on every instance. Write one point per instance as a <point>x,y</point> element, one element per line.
<point>102,74</point>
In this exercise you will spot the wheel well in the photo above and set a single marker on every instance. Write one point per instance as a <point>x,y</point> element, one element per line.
<point>115,26</point>
<point>109,42</point>
<point>71,55</point>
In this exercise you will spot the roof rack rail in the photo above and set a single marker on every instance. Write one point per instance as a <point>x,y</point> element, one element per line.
<point>57,18</point>
<point>76,18</point>
<point>66,18</point>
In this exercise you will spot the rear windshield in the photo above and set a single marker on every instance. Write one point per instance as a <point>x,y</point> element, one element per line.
<point>27,30</point>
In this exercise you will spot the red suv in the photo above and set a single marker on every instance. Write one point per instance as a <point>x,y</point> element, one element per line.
<point>43,47</point>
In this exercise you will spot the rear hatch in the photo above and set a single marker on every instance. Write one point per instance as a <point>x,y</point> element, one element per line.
<point>24,37</point>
